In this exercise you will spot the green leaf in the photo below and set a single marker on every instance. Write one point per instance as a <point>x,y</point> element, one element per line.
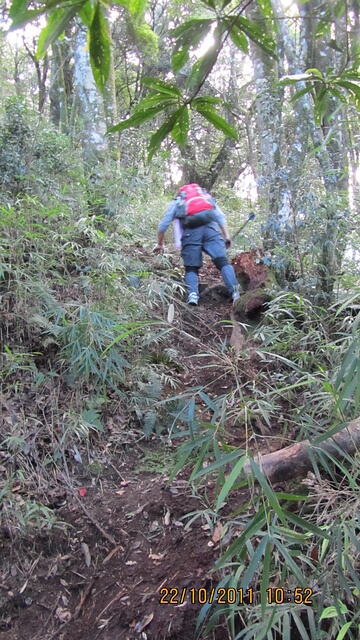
<point>301,93</point>
<point>295,78</point>
<point>57,22</point>
<point>185,452</point>
<point>334,45</point>
<point>209,402</point>
<point>233,476</point>
<point>180,129</point>
<point>137,7</point>
<point>155,142</point>
<point>99,47</point>
<point>209,3</point>
<point>321,102</point>
<point>331,612</point>
<point>221,475</point>
<point>153,100</point>
<point>353,88</point>
<point>18,8</point>
<point>217,121</point>
<point>136,119</point>
<point>323,27</point>
<point>256,33</point>
<point>161,87</point>
<point>290,562</point>
<point>291,496</point>
<point>343,631</point>
<point>205,609</point>
<point>22,19</point>
<point>339,8</point>
<point>126,329</point>
<point>86,13</point>
<point>300,625</point>
<point>191,407</point>
<point>251,570</point>
<point>202,68</point>
<point>237,547</point>
<point>266,8</point>
<point>206,100</point>
<point>191,80</point>
<point>200,459</point>
<point>349,357</point>
<point>348,384</point>
<point>220,463</point>
<point>179,59</point>
<point>270,494</point>
<point>265,577</point>
<point>357,393</point>
<point>191,27</point>
<point>188,35</point>
<point>92,419</point>
<point>306,525</point>
<point>286,630</point>
<point>350,74</point>
<point>239,39</point>
<point>315,72</point>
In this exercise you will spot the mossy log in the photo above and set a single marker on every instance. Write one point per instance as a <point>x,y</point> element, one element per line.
<point>296,460</point>
<point>256,281</point>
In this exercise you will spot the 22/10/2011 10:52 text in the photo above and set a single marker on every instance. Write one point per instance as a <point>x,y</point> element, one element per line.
<point>230,595</point>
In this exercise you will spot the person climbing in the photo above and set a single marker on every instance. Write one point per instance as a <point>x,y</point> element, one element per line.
<point>203,228</point>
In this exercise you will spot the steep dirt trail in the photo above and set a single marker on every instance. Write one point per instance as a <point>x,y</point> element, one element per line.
<point>126,566</point>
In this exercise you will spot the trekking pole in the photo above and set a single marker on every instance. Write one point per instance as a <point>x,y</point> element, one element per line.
<point>251,217</point>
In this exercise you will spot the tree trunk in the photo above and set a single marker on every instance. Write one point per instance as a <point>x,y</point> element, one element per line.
<point>41,69</point>
<point>298,145</point>
<point>207,178</point>
<point>270,176</point>
<point>295,461</point>
<point>110,102</point>
<point>61,86</point>
<point>331,142</point>
<point>90,105</point>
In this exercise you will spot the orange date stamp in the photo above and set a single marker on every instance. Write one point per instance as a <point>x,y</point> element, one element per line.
<point>230,595</point>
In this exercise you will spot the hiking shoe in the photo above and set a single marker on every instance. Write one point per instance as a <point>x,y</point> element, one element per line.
<point>235,294</point>
<point>193,299</point>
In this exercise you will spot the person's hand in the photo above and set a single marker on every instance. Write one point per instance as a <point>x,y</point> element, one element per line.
<point>159,248</point>
<point>227,242</point>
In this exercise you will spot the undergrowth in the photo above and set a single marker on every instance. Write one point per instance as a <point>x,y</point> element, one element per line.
<point>290,558</point>
<point>79,347</point>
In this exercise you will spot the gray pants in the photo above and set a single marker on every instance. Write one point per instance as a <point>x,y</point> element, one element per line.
<point>209,240</point>
<point>206,238</point>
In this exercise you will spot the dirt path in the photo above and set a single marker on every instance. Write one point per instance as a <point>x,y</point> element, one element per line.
<point>76,584</point>
<point>126,566</point>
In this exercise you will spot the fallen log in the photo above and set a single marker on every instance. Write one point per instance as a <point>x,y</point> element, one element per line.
<point>256,281</point>
<point>294,461</point>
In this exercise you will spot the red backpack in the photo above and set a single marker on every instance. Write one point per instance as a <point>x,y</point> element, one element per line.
<point>194,199</point>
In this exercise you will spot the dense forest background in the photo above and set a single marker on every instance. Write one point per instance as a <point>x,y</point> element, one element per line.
<point>105,110</point>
